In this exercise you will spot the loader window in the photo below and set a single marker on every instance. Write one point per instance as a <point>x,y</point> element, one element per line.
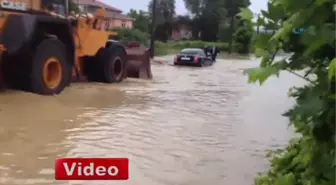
<point>57,6</point>
<point>59,9</point>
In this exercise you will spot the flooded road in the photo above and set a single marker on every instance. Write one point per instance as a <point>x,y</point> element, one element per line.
<point>189,126</point>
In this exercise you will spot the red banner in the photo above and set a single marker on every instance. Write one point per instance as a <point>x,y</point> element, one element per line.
<point>91,169</point>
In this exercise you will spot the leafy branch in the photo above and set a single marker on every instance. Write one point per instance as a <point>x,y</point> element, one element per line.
<point>309,159</point>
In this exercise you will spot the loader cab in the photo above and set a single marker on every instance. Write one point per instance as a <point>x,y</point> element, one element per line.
<point>57,6</point>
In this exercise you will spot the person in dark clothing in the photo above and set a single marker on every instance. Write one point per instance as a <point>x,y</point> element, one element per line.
<point>207,50</point>
<point>214,52</point>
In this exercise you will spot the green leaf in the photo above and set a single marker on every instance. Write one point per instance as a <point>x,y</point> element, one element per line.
<point>259,52</point>
<point>264,13</point>
<point>245,13</point>
<point>309,105</point>
<point>320,2</point>
<point>260,21</point>
<point>262,40</point>
<point>307,157</point>
<point>288,179</point>
<point>287,28</point>
<point>332,69</point>
<point>332,97</point>
<point>333,163</point>
<point>260,74</point>
<point>324,36</point>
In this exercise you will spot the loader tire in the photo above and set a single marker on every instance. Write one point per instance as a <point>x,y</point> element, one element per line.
<point>113,61</point>
<point>50,69</point>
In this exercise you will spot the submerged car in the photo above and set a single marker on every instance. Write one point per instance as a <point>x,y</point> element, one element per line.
<point>194,57</point>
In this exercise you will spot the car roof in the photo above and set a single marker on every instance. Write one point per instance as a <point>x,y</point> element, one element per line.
<point>192,49</point>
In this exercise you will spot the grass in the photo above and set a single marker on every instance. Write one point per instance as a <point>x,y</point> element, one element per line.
<point>165,51</point>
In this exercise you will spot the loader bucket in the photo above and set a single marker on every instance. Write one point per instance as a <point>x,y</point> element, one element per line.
<point>138,61</point>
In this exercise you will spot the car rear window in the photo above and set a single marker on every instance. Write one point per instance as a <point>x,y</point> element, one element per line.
<point>189,52</point>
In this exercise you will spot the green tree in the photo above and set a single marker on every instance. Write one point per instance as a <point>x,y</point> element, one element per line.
<point>243,36</point>
<point>233,7</point>
<point>165,12</point>
<point>310,158</point>
<point>210,15</point>
<point>207,16</point>
<point>224,31</point>
<point>141,20</point>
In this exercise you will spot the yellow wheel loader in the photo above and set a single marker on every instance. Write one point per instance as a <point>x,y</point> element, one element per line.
<point>44,48</point>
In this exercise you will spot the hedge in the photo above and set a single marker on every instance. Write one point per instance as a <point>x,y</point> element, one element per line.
<point>197,44</point>
<point>132,35</point>
<point>162,48</point>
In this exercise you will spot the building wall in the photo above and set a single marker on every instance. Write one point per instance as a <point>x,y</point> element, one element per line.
<point>181,32</point>
<point>117,23</point>
<point>176,35</point>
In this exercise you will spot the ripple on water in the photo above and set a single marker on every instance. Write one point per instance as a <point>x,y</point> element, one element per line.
<point>189,126</point>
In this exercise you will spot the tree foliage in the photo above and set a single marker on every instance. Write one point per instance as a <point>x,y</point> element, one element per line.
<point>73,6</point>
<point>310,158</point>
<point>165,11</point>
<point>164,15</point>
<point>141,20</point>
<point>209,15</point>
<point>243,36</point>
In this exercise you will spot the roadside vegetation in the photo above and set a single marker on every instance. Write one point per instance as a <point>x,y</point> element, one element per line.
<point>309,159</point>
<point>132,35</point>
<point>215,23</point>
<point>170,47</point>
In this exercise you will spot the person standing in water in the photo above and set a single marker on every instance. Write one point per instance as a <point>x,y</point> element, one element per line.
<point>214,52</point>
<point>206,49</point>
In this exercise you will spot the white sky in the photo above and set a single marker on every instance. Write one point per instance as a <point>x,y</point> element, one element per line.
<point>126,5</point>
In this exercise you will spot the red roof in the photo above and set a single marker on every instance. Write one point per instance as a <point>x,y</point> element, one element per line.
<point>97,3</point>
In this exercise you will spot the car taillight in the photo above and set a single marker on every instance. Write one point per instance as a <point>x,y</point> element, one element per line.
<point>196,58</point>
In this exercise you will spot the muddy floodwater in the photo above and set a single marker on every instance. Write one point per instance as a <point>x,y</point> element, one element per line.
<point>188,126</point>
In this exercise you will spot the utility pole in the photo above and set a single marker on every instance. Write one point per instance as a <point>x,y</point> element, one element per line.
<point>152,42</point>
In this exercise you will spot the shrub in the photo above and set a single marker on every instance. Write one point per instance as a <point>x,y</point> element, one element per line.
<point>310,158</point>
<point>162,48</point>
<point>132,35</point>
<point>197,44</point>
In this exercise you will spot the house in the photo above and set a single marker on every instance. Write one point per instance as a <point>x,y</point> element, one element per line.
<point>181,31</point>
<point>115,17</point>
